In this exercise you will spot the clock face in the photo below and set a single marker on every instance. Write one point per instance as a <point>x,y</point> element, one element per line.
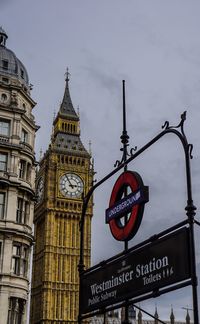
<point>71,185</point>
<point>40,189</point>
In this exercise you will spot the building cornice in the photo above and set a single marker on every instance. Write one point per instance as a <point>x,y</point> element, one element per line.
<point>15,232</point>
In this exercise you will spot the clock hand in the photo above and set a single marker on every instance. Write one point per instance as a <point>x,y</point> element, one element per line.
<point>73,186</point>
<point>70,184</point>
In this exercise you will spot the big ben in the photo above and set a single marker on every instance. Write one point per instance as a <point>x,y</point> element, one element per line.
<point>65,174</point>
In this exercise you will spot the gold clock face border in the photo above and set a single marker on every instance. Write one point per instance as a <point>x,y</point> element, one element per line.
<point>71,185</point>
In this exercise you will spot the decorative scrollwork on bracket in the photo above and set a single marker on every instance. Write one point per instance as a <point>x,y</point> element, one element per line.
<point>117,163</point>
<point>180,125</point>
<point>133,149</point>
<point>166,125</point>
<point>190,149</point>
<point>125,155</point>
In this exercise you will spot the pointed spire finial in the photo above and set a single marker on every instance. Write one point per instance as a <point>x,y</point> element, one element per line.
<point>172,317</point>
<point>40,154</point>
<point>66,107</point>
<point>156,315</point>
<point>67,75</point>
<point>187,317</point>
<point>54,114</point>
<point>90,147</point>
<point>54,117</point>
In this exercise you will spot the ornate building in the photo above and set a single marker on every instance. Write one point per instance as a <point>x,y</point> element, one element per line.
<point>65,174</point>
<point>17,180</point>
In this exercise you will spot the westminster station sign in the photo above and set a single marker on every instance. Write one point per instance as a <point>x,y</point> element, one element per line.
<point>157,265</point>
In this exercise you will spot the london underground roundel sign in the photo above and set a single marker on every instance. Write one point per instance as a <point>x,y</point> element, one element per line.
<point>127,199</point>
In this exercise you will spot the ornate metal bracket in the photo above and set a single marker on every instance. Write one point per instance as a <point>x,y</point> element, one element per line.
<point>181,126</point>
<point>125,154</point>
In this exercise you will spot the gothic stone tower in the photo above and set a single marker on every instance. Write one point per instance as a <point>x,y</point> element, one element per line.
<point>65,173</point>
<point>17,184</point>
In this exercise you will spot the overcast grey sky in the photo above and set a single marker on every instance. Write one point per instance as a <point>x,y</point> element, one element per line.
<point>155,46</point>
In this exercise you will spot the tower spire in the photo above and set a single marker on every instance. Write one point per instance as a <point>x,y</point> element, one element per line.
<point>156,316</point>
<point>67,75</point>
<point>172,317</point>
<point>187,317</point>
<point>66,107</point>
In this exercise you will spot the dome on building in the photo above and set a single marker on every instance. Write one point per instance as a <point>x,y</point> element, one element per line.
<point>10,65</point>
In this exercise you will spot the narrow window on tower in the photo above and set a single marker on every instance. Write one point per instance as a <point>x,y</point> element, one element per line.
<point>24,260</point>
<point>28,173</point>
<point>20,211</point>
<point>73,236</point>
<point>3,161</point>
<point>27,212</point>
<point>4,127</point>
<point>16,259</point>
<point>1,254</point>
<point>23,210</point>
<point>22,169</point>
<point>2,205</point>
<point>24,136</point>
<point>20,259</point>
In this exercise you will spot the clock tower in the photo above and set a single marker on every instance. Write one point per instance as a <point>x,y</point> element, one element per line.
<point>65,174</point>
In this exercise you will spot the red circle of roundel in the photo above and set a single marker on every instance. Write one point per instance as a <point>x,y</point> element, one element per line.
<point>134,181</point>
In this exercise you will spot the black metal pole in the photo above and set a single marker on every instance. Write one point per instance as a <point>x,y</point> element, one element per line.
<point>190,212</point>
<point>125,140</point>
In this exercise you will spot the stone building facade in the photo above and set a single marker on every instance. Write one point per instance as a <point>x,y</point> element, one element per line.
<point>17,184</point>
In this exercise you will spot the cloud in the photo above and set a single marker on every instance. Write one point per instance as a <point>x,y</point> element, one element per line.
<point>103,79</point>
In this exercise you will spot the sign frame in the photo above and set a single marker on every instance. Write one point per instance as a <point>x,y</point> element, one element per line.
<point>178,131</point>
<point>127,277</point>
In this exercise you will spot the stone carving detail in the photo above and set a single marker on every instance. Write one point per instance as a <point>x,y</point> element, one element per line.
<point>13,100</point>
